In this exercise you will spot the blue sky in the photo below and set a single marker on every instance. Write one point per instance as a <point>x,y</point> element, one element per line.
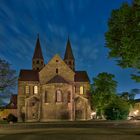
<point>85,21</point>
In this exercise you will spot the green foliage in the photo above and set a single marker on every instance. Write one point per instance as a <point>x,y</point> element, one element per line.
<point>129,97</point>
<point>103,91</point>
<point>123,37</point>
<point>125,96</point>
<point>104,83</point>
<point>117,109</point>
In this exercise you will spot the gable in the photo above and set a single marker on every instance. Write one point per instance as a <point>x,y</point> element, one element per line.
<point>56,66</point>
<point>57,79</point>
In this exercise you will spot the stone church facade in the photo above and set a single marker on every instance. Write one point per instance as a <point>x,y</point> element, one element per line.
<point>53,91</point>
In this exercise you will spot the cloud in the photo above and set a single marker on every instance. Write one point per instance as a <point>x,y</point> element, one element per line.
<point>136,91</point>
<point>57,30</point>
<point>18,38</point>
<point>87,47</point>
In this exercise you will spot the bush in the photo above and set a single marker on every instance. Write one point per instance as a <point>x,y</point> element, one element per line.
<point>11,118</point>
<point>118,109</point>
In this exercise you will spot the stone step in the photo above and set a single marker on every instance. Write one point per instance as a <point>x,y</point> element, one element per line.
<point>74,124</point>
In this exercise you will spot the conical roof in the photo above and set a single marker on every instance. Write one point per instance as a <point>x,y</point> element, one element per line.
<point>68,52</point>
<point>38,51</point>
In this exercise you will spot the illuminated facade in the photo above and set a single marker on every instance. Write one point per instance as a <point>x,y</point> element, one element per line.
<point>53,91</point>
<point>135,110</point>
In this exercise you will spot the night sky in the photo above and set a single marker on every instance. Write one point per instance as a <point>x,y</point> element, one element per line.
<point>85,21</point>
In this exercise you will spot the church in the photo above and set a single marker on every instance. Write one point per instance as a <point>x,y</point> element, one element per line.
<point>54,91</point>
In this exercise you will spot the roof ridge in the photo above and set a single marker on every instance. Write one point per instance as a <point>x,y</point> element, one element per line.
<point>55,79</point>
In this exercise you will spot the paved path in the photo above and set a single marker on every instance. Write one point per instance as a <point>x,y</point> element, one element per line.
<point>89,132</point>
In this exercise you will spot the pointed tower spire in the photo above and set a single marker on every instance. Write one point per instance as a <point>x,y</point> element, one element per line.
<point>38,51</point>
<point>37,60</point>
<point>69,57</point>
<point>68,52</point>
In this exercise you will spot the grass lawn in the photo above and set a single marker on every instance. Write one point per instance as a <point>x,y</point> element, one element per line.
<point>3,122</point>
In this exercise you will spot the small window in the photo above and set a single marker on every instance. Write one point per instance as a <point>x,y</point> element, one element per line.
<point>33,104</point>
<point>37,62</point>
<point>27,89</point>
<point>33,115</point>
<point>46,96</point>
<point>56,60</point>
<point>35,89</point>
<point>69,97</point>
<point>58,96</point>
<point>81,90</point>
<point>57,71</point>
<point>69,62</point>
<point>75,89</point>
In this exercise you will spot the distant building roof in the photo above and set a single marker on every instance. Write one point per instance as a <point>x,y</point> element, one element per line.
<point>81,76</point>
<point>32,75</point>
<point>57,79</point>
<point>28,75</point>
<point>137,100</point>
<point>13,102</point>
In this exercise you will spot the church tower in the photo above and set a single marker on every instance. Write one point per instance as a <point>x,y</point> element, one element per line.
<point>37,60</point>
<point>69,58</point>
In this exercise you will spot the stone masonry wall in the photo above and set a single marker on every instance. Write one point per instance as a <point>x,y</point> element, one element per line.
<point>49,71</point>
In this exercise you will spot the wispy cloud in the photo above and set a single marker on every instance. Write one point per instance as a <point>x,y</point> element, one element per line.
<point>57,30</point>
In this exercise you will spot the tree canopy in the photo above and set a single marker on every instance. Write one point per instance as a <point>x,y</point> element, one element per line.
<point>117,109</point>
<point>103,90</point>
<point>7,80</point>
<point>123,37</point>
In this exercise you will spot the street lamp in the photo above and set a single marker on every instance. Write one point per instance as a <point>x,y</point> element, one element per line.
<point>136,112</point>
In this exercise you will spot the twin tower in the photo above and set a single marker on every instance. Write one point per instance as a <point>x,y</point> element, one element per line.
<point>38,60</point>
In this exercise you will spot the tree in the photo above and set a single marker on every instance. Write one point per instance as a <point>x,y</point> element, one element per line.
<point>125,95</point>
<point>123,37</point>
<point>117,109</point>
<point>103,91</point>
<point>7,77</point>
<point>128,97</point>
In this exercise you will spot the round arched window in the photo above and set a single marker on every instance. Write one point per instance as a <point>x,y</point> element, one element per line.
<point>35,89</point>
<point>81,90</point>
<point>58,96</point>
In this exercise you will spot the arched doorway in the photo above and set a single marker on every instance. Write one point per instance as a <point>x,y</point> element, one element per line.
<point>32,109</point>
<point>79,109</point>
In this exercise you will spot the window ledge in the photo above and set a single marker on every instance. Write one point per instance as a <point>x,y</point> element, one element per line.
<point>58,102</point>
<point>46,103</point>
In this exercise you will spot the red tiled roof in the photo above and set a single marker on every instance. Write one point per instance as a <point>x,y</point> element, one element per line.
<point>137,100</point>
<point>13,102</point>
<point>32,75</point>
<point>28,75</point>
<point>81,76</point>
